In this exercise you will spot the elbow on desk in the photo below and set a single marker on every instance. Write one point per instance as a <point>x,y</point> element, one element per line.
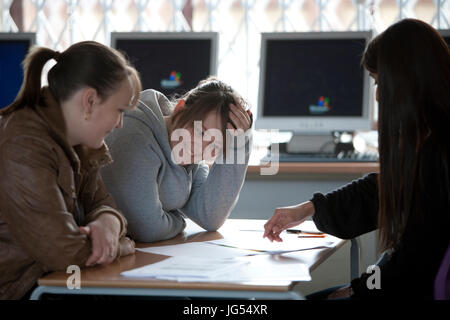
<point>211,218</point>
<point>154,233</point>
<point>212,225</point>
<point>151,237</point>
<point>211,228</point>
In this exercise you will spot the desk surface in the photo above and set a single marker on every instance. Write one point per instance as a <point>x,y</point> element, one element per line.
<point>109,276</point>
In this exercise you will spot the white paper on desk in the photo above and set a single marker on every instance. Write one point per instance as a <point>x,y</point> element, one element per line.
<point>248,240</point>
<point>262,269</point>
<point>197,250</point>
<point>185,267</point>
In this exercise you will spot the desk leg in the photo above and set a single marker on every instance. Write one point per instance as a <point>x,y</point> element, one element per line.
<point>354,258</point>
<point>228,294</point>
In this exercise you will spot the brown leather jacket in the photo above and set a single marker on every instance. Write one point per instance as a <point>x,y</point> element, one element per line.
<point>47,189</point>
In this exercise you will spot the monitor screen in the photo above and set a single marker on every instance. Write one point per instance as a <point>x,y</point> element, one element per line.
<point>13,49</point>
<point>313,76</point>
<point>171,63</point>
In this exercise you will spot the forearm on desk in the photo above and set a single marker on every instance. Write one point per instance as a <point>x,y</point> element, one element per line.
<point>214,193</point>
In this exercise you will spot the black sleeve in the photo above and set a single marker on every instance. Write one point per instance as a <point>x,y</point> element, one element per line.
<point>349,211</point>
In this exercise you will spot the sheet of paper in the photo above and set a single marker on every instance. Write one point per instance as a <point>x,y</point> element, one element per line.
<point>245,269</point>
<point>260,268</point>
<point>185,267</point>
<point>253,240</point>
<point>197,250</point>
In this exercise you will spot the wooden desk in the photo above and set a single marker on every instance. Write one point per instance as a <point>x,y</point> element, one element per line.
<point>359,168</point>
<point>106,280</point>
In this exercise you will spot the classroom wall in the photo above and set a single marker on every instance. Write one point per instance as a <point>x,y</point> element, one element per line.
<point>260,196</point>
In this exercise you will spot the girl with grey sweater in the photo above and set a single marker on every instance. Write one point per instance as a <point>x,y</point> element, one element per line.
<point>159,175</point>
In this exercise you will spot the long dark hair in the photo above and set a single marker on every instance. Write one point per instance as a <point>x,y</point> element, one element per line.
<point>84,64</point>
<point>412,62</point>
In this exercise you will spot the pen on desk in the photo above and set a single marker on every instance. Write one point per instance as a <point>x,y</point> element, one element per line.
<point>296,231</point>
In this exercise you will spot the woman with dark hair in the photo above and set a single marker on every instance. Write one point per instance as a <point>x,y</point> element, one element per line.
<point>54,209</point>
<point>409,201</point>
<point>159,175</point>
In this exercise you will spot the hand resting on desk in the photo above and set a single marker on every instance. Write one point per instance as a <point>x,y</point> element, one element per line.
<point>106,245</point>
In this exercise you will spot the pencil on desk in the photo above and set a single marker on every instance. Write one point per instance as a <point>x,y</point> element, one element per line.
<point>312,236</point>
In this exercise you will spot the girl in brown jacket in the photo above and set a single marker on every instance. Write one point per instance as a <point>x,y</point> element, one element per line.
<point>54,209</point>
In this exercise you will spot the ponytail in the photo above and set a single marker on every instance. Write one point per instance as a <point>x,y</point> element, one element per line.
<point>83,64</point>
<point>29,94</point>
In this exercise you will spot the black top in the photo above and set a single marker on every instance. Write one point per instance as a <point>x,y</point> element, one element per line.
<point>410,270</point>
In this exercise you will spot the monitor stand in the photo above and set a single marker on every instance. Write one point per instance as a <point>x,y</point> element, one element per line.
<point>311,143</point>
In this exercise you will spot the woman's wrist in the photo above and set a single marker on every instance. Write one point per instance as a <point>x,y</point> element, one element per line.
<point>111,221</point>
<point>309,208</point>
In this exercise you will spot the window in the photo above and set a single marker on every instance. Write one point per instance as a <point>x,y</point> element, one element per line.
<point>59,23</point>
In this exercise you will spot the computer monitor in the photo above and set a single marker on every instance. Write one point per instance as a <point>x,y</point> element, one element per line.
<point>170,62</point>
<point>313,83</point>
<point>13,49</point>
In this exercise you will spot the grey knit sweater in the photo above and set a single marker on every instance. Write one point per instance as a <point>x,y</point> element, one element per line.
<point>153,192</point>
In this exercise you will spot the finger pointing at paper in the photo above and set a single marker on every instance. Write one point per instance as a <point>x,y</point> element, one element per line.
<point>287,217</point>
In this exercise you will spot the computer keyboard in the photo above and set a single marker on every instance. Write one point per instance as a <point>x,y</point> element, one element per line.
<point>321,157</point>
